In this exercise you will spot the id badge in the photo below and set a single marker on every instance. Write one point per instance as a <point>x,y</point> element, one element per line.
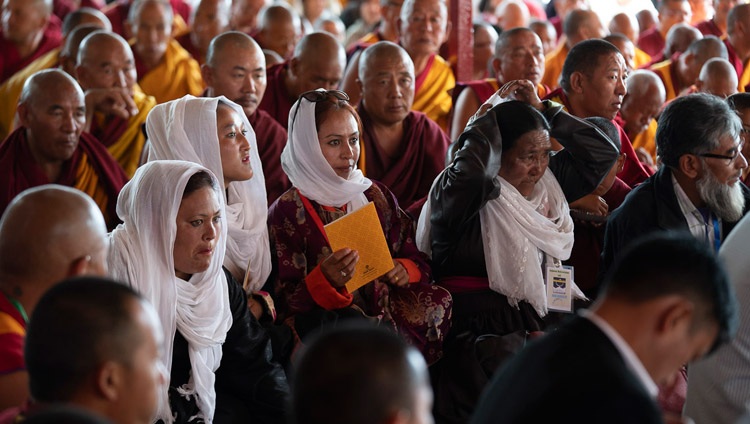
<point>560,288</point>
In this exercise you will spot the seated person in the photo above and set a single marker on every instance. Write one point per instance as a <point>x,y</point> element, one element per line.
<point>682,71</point>
<point>26,34</point>
<point>170,249</point>
<point>51,147</point>
<point>740,104</point>
<point>404,149</point>
<point>392,381</point>
<point>503,193</point>
<point>214,132</point>
<point>106,340</point>
<point>279,30</point>
<point>209,19</point>
<point>717,77</point>
<point>165,69</point>
<point>320,159</point>
<point>640,107</point>
<point>666,302</point>
<point>48,233</point>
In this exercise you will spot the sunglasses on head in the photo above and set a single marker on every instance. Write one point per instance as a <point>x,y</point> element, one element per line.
<point>320,95</point>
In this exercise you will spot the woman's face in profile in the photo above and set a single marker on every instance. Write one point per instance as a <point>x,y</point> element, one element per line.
<point>524,164</point>
<point>339,141</point>
<point>198,226</point>
<point>234,148</point>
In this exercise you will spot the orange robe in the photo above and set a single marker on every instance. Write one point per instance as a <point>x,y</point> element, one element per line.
<point>432,91</point>
<point>124,138</point>
<point>10,89</point>
<point>553,65</point>
<point>641,58</point>
<point>665,71</point>
<point>647,139</point>
<point>178,74</point>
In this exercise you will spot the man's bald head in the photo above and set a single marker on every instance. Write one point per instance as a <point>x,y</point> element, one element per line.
<point>105,60</point>
<point>318,62</point>
<point>209,19</point>
<point>700,51</point>
<point>24,20</point>
<point>150,22</point>
<point>43,83</point>
<point>739,14</point>
<point>717,77</point>
<point>582,24</point>
<point>244,15</point>
<point>48,233</point>
<point>383,51</point>
<point>69,52</point>
<point>624,24</point>
<point>137,9</point>
<point>85,16</point>
<point>236,68</point>
<point>645,97</point>
<point>679,38</point>
<point>279,29</point>
<point>386,82</point>
<point>415,35</point>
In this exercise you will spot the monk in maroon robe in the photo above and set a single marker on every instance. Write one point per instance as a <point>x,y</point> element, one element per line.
<point>318,62</point>
<point>52,147</point>
<point>404,150</point>
<point>26,34</point>
<point>210,19</point>
<point>117,13</point>
<point>235,53</point>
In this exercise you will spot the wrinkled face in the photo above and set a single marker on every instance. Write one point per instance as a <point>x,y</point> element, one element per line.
<point>673,12</point>
<point>109,65</point>
<point>210,20</point>
<point>638,111</point>
<point>605,88</point>
<point>339,141</point>
<point>524,165</point>
<point>281,37</point>
<point>21,19</point>
<point>234,146</point>
<point>145,377</point>
<point>628,53</point>
<point>424,30</point>
<point>744,115</point>
<point>54,120</point>
<point>317,72</point>
<point>199,222</point>
<point>240,75</point>
<point>484,46</point>
<point>522,58</point>
<point>152,31</point>
<point>388,89</point>
<point>727,171</point>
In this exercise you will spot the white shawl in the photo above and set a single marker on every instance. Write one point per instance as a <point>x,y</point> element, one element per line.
<point>516,233</point>
<point>308,169</point>
<point>141,254</point>
<point>186,129</point>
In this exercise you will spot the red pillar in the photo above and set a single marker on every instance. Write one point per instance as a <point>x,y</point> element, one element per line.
<point>461,39</point>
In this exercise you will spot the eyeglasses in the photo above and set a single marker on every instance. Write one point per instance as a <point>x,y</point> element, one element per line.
<point>728,159</point>
<point>320,95</point>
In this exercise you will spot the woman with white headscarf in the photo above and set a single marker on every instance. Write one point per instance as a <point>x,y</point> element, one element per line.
<point>170,247</point>
<point>495,219</point>
<point>320,159</point>
<point>215,133</point>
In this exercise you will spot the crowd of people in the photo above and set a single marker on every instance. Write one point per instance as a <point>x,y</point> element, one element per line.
<point>564,231</point>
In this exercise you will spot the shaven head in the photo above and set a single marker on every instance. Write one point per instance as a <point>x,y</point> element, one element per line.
<point>85,16</point>
<point>700,52</point>
<point>679,38</point>
<point>24,19</point>
<point>739,15</point>
<point>386,81</point>
<point>624,24</point>
<point>209,19</point>
<point>48,233</point>
<point>582,25</point>
<point>236,68</point>
<point>644,100</point>
<point>105,60</point>
<point>69,52</point>
<point>279,29</point>
<point>392,378</point>
<point>717,77</point>
<point>318,62</point>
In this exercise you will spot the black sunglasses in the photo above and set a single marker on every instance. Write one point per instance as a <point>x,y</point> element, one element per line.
<point>320,95</point>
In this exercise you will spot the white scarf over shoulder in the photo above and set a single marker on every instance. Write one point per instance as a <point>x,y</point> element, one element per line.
<point>141,254</point>
<point>308,169</point>
<point>516,233</point>
<point>186,129</point>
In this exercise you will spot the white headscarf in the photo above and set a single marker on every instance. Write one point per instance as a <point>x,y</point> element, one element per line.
<point>516,232</point>
<point>308,169</point>
<point>186,129</point>
<point>142,254</point>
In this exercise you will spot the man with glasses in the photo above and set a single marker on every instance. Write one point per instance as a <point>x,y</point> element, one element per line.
<point>697,189</point>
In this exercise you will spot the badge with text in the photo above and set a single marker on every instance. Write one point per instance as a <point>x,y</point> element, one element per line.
<point>560,289</point>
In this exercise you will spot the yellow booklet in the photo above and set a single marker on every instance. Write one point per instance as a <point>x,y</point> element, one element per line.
<point>361,231</point>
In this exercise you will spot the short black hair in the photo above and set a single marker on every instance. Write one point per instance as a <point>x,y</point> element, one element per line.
<point>693,124</point>
<point>76,326</point>
<point>356,373</point>
<point>675,262</point>
<point>197,181</point>
<point>584,57</point>
<point>739,101</point>
<point>608,128</point>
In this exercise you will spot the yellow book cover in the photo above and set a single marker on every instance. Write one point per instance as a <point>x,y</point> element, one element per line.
<point>361,231</point>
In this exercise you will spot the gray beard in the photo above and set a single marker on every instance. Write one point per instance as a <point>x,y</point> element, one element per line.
<point>726,201</point>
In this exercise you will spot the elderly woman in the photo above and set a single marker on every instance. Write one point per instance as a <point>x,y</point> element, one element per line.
<point>495,219</point>
<point>215,133</point>
<point>170,248</point>
<point>320,159</point>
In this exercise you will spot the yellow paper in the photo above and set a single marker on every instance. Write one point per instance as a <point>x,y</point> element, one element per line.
<point>361,231</point>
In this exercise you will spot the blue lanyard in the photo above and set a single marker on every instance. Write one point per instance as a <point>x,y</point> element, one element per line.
<point>717,233</point>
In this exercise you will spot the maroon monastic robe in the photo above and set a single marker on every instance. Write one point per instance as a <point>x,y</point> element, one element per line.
<point>276,100</point>
<point>12,62</point>
<point>651,42</point>
<point>271,138</point>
